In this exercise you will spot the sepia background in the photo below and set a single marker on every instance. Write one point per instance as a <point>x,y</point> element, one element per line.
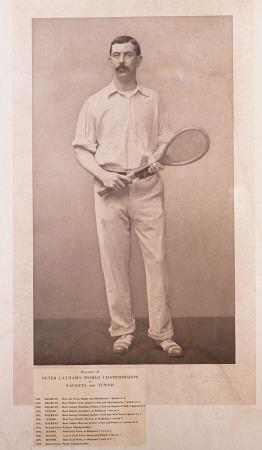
<point>189,61</point>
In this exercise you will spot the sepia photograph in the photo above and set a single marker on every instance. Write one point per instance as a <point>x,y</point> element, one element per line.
<point>133,181</point>
<point>130,236</point>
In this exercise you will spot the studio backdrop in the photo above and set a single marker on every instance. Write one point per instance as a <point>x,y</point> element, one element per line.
<point>188,60</point>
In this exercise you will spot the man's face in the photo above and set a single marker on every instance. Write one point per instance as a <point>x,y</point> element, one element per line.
<point>124,61</point>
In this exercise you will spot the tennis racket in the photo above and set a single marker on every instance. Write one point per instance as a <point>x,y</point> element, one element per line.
<point>185,147</point>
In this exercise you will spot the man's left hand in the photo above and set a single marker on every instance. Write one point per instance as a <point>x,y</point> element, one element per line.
<point>154,167</point>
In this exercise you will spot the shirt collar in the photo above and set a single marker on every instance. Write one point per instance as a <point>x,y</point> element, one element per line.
<point>139,88</point>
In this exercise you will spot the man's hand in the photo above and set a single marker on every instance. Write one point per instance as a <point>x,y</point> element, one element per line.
<point>114,181</point>
<point>154,166</point>
<point>111,180</point>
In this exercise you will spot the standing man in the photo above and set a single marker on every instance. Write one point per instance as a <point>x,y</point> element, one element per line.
<point>119,128</point>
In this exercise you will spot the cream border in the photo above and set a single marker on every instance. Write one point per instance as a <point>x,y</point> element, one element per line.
<point>192,427</point>
<point>190,384</point>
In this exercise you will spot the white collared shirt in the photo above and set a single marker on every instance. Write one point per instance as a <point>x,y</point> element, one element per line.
<point>122,130</point>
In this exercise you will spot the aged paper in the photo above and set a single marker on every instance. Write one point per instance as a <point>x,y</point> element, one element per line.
<point>187,383</point>
<point>210,427</point>
<point>89,406</point>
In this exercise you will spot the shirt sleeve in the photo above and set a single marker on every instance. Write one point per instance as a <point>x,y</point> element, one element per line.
<point>165,132</point>
<point>85,135</point>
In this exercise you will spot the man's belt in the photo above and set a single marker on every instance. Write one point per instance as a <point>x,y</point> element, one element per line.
<point>143,171</point>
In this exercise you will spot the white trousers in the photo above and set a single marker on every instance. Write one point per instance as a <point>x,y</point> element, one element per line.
<point>140,203</point>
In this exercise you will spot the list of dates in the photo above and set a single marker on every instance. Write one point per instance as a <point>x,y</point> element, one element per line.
<point>82,409</point>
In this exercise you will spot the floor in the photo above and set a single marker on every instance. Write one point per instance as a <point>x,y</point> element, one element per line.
<point>205,340</point>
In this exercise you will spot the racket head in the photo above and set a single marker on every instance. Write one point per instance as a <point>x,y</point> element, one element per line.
<point>187,146</point>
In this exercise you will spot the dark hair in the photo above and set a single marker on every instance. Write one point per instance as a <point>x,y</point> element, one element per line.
<point>123,40</point>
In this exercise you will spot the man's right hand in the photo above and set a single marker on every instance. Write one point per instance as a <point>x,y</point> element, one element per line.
<point>114,181</point>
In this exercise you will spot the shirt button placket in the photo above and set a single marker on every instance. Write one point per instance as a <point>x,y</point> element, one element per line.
<point>132,141</point>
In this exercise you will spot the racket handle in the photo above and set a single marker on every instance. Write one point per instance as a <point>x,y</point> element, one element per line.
<point>143,173</point>
<point>104,191</point>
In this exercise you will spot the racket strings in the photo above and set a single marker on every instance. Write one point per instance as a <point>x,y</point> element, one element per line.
<point>188,146</point>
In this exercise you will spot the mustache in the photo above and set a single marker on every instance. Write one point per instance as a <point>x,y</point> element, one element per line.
<point>121,67</point>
